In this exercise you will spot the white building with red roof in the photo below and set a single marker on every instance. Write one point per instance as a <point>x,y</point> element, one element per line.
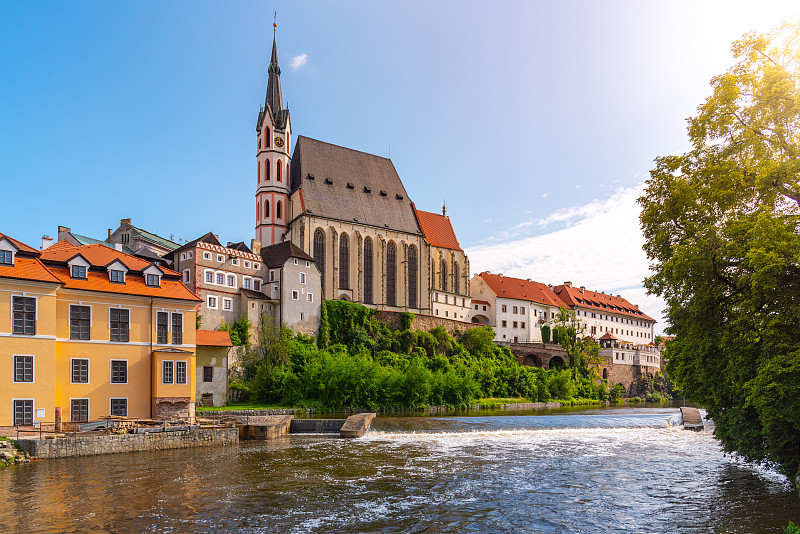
<point>516,308</point>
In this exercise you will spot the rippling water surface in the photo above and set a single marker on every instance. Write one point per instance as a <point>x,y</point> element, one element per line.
<point>613,470</point>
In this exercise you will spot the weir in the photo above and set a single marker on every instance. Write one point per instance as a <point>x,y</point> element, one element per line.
<point>276,426</point>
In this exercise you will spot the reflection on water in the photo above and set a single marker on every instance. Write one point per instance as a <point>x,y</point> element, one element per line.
<point>580,471</point>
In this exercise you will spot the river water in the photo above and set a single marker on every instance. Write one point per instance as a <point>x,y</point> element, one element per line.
<point>576,471</point>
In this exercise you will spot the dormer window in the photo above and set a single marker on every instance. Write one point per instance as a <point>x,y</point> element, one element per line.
<point>117,277</point>
<point>6,257</point>
<point>7,251</point>
<point>153,280</point>
<point>78,271</point>
<point>117,272</point>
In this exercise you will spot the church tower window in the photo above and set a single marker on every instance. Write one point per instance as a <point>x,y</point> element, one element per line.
<point>266,171</point>
<point>258,168</point>
<point>412,276</point>
<point>319,253</point>
<point>278,168</point>
<point>266,209</point>
<point>344,262</point>
<point>368,270</point>
<point>266,137</point>
<point>443,275</point>
<point>391,274</point>
<point>278,210</point>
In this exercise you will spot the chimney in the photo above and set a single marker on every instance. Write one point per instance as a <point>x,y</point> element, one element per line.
<point>63,229</point>
<point>583,289</point>
<point>568,284</point>
<point>110,231</point>
<point>123,222</point>
<point>46,241</point>
<point>255,246</point>
<point>118,247</point>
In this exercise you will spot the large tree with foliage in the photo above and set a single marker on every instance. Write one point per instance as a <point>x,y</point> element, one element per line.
<point>722,229</point>
<point>582,349</point>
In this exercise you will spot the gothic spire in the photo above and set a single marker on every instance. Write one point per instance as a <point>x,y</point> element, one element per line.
<point>274,96</point>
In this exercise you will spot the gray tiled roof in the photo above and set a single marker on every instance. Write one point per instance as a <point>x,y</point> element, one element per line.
<point>277,254</point>
<point>348,185</point>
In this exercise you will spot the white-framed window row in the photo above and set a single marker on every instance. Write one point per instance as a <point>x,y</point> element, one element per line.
<point>189,255</point>
<point>183,256</point>
<point>230,280</point>
<point>168,371</point>
<point>257,283</point>
<point>23,411</point>
<point>208,276</point>
<point>247,282</point>
<point>206,255</point>
<point>256,266</point>
<point>227,304</point>
<point>72,406</point>
<point>211,302</point>
<point>220,258</point>
<point>118,371</point>
<point>247,264</point>
<point>235,261</point>
<point>24,369</point>
<point>78,369</point>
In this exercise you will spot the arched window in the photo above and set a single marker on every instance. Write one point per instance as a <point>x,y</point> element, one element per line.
<point>266,209</point>
<point>266,170</point>
<point>443,275</point>
<point>302,236</point>
<point>278,169</point>
<point>278,207</point>
<point>412,276</point>
<point>258,168</point>
<point>319,253</point>
<point>266,137</point>
<point>258,210</point>
<point>391,274</point>
<point>368,271</point>
<point>344,262</point>
<point>287,171</point>
<point>455,277</point>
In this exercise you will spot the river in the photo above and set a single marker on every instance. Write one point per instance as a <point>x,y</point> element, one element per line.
<point>576,471</point>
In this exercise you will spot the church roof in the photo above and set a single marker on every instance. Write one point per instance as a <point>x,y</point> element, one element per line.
<point>277,254</point>
<point>347,185</point>
<point>437,229</point>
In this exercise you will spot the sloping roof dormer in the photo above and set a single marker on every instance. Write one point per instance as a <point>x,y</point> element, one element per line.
<point>117,271</point>
<point>8,251</point>
<point>152,276</point>
<point>78,266</point>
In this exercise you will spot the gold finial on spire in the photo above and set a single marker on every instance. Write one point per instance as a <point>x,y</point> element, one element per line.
<point>275,23</point>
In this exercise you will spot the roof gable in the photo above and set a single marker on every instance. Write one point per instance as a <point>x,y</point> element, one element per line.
<point>517,288</point>
<point>276,255</point>
<point>437,229</point>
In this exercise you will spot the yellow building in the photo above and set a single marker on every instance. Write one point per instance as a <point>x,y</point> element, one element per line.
<point>91,332</point>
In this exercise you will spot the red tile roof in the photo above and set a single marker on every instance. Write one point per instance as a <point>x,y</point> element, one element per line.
<point>19,244</point>
<point>601,302</point>
<point>608,335</point>
<point>437,229</point>
<point>213,338</point>
<point>517,288</point>
<point>26,264</point>
<point>480,302</point>
<point>55,258</point>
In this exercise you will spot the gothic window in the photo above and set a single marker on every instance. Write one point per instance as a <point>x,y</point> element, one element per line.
<point>455,277</point>
<point>302,236</point>
<point>278,169</point>
<point>266,170</point>
<point>412,276</point>
<point>368,271</point>
<point>278,210</point>
<point>258,210</point>
<point>443,275</point>
<point>258,168</point>
<point>287,171</point>
<point>391,274</point>
<point>319,252</point>
<point>344,262</point>
<point>266,209</point>
<point>266,139</point>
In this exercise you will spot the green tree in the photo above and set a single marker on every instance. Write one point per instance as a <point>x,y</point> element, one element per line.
<point>546,334</point>
<point>583,350</point>
<point>721,226</point>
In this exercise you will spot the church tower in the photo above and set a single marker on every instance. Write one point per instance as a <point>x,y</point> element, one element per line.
<point>273,146</point>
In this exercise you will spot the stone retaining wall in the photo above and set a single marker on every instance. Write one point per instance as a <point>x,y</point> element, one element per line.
<point>422,322</point>
<point>68,447</point>
<point>236,414</point>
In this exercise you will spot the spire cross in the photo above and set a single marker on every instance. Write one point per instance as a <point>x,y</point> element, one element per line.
<point>275,23</point>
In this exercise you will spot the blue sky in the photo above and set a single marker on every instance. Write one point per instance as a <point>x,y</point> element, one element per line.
<point>536,121</point>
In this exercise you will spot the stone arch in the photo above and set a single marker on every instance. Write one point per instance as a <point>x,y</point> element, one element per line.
<point>555,362</point>
<point>480,319</point>
<point>532,360</point>
<point>345,298</point>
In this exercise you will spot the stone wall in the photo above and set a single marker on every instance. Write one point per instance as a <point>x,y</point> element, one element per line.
<point>422,322</point>
<point>637,380</point>
<point>68,447</point>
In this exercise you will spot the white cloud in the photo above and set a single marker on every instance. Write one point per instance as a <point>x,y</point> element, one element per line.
<point>299,61</point>
<point>600,248</point>
<point>489,220</point>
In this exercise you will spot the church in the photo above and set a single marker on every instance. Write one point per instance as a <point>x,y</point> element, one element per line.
<point>350,211</point>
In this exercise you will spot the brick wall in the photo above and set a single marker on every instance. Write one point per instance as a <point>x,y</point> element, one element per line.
<point>422,322</point>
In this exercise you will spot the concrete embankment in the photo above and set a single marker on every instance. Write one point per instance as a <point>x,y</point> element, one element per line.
<point>531,405</point>
<point>72,446</point>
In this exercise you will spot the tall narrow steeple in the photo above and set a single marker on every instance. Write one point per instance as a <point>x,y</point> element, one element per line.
<point>274,96</point>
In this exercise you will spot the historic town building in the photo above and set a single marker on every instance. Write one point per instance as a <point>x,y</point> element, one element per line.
<point>89,332</point>
<point>515,308</point>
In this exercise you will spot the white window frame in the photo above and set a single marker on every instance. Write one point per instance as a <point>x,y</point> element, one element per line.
<point>295,261</point>
<point>183,256</point>
<point>309,297</point>
<point>127,405</point>
<point>247,282</point>
<point>88,371</point>
<point>187,274</point>
<point>295,294</point>
<point>162,372</point>
<point>14,369</point>
<point>33,400</point>
<point>255,265</point>
<point>247,264</point>
<point>208,302</point>
<point>175,372</point>
<point>88,407</point>
<point>235,261</point>
<point>206,255</point>
<point>302,278</point>
<point>111,371</point>
<point>220,258</point>
<point>189,255</point>
<point>229,278</point>
<point>227,304</point>
<point>217,274</point>
<point>206,272</point>
<point>130,321</point>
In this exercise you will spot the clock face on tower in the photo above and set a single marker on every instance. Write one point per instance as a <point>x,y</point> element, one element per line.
<point>278,141</point>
